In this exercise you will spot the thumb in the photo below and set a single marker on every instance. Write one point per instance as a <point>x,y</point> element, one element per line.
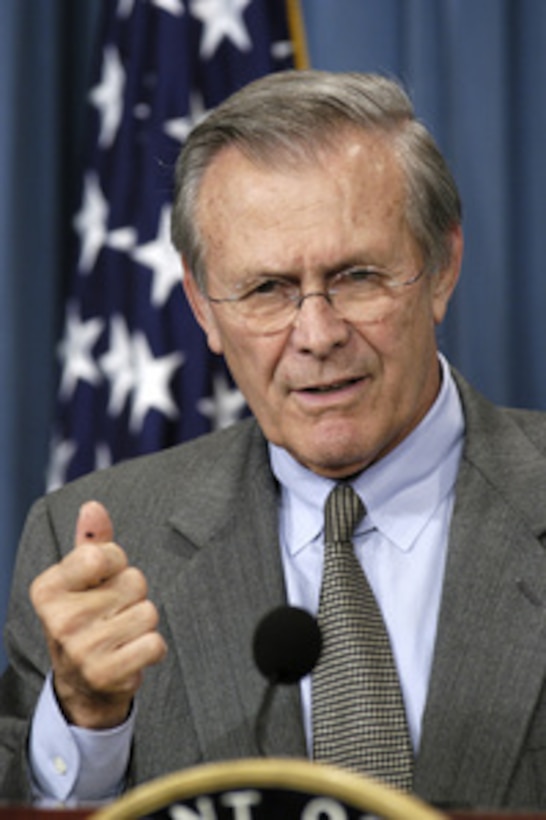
<point>93,524</point>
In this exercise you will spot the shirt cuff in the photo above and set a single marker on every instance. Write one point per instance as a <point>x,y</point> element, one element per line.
<point>70,765</point>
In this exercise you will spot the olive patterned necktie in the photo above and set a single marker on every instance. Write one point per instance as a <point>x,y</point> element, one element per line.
<point>359,719</point>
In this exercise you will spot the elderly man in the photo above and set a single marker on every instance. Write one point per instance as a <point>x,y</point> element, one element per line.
<point>320,234</point>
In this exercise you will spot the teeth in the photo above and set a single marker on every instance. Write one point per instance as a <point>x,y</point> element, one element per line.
<point>329,388</point>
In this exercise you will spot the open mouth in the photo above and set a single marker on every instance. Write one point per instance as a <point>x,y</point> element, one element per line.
<point>331,388</point>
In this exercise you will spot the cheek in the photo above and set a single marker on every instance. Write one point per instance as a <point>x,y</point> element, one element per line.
<point>253,363</point>
<point>389,342</point>
<point>405,349</point>
<point>418,369</point>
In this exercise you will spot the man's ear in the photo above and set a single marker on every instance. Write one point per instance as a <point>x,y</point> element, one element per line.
<point>201,309</point>
<point>444,281</point>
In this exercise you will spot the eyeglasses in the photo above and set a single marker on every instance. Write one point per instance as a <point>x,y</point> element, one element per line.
<point>360,294</point>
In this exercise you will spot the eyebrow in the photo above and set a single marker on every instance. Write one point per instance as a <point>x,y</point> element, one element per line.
<point>353,261</point>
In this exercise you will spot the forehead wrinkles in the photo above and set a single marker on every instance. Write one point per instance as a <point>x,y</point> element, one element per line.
<point>360,177</point>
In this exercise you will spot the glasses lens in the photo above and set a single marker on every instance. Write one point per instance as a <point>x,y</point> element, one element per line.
<point>361,299</point>
<point>265,316</point>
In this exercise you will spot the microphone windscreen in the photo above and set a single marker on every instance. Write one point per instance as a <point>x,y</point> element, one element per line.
<point>287,644</point>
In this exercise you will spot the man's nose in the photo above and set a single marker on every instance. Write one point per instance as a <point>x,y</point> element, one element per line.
<point>313,293</point>
<point>317,327</point>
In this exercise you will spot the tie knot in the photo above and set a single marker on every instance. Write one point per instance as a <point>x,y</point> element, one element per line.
<point>342,513</point>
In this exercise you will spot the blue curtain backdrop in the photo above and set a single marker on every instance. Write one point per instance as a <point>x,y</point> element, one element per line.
<point>477,72</point>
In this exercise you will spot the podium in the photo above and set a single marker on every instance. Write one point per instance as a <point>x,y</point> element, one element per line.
<point>266,789</point>
<point>262,789</point>
<point>30,813</point>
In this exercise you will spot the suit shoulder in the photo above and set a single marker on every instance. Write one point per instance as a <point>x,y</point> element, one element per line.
<point>487,422</point>
<point>532,423</point>
<point>198,454</point>
<point>150,482</point>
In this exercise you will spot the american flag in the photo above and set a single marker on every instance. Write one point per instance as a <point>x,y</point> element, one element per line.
<point>135,372</point>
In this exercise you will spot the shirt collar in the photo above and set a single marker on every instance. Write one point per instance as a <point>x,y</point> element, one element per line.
<point>401,491</point>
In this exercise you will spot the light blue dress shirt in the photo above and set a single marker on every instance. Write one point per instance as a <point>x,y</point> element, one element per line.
<point>70,765</point>
<point>402,545</point>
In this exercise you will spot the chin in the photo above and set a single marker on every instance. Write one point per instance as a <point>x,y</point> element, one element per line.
<point>331,459</point>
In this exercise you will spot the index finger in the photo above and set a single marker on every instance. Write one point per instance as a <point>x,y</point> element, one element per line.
<point>86,567</point>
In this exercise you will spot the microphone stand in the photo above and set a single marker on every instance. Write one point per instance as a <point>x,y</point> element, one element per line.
<point>263,712</point>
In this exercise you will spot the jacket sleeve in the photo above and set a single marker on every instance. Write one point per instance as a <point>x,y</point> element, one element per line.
<point>28,659</point>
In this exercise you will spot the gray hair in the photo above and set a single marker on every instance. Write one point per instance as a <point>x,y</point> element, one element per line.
<point>286,117</point>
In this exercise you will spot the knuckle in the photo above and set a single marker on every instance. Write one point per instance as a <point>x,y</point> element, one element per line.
<point>136,581</point>
<point>59,622</point>
<point>58,626</point>
<point>92,559</point>
<point>149,614</point>
<point>96,670</point>
<point>45,587</point>
<point>156,647</point>
<point>38,592</point>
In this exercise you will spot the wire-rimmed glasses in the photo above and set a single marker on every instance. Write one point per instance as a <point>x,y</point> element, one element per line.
<point>359,294</point>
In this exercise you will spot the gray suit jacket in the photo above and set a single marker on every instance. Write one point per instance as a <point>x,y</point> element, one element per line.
<point>201,521</point>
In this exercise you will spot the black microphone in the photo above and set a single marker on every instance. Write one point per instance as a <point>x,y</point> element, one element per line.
<point>287,644</point>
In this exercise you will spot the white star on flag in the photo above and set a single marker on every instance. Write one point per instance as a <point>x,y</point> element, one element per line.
<point>221,18</point>
<point>117,365</point>
<point>107,96</point>
<point>225,405</point>
<point>161,257</point>
<point>75,351</point>
<point>122,239</point>
<point>60,455</point>
<point>125,8</point>
<point>152,377</point>
<point>103,456</point>
<point>180,127</point>
<point>90,222</point>
<point>170,6</point>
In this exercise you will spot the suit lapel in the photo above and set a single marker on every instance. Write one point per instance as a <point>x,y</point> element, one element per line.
<point>490,660</point>
<point>213,604</point>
